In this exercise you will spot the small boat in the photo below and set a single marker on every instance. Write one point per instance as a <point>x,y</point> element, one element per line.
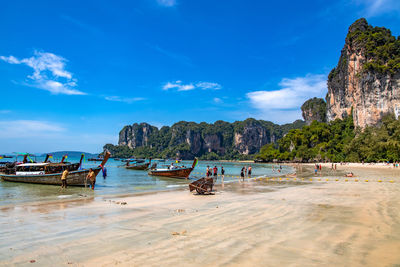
<point>96,159</point>
<point>202,186</point>
<point>139,167</point>
<point>181,173</point>
<point>128,160</point>
<point>50,173</point>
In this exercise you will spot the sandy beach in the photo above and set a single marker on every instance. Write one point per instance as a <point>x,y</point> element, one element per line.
<point>255,223</point>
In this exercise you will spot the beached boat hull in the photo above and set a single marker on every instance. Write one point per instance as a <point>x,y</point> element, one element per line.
<point>178,173</point>
<point>75,178</point>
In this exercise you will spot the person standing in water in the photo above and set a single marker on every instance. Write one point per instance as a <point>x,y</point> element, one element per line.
<point>215,172</point>
<point>222,175</point>
<point>249,171</point>
<point>242,174</point>
<point>104,172</point>
<point>92,178</point>
<point>208,171</point>
<point>64,178</point>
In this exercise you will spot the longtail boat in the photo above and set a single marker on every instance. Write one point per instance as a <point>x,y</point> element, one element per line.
<point>96,159</point>
<point>136,166</point>
<point>181,173</point>
<point>50,173</point>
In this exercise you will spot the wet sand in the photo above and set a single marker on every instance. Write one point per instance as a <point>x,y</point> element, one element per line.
<point>255,223</point>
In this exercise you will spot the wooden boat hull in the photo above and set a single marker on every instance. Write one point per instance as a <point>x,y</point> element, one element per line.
<point>99,159</point>
<point>74,178</point>
<point>138,167</point>
<point>178,173</point>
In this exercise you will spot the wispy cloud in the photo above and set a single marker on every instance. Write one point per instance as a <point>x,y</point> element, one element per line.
<point>372,8</point>
<point>124,99</point>
<point>49,73</point>
<point>182,59</point>
<point>5,111</point>
<point>80,24</point>
<point>293,93</point>
<point>179,86</point>
<point>28,128</point>
<point>167,3</point>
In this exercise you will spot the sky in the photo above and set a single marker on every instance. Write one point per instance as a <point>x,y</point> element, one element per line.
<point>73,73</point>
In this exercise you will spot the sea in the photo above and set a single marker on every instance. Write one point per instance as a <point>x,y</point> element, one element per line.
<point>121,181</point>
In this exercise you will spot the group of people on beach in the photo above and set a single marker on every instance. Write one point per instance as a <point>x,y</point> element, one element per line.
<point>213,172</point>
<point>245,171</point>
<point>317,167</point>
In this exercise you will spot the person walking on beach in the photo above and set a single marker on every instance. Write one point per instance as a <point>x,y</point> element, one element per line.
<point>222,173</point>
<point>92,178</point>
<point>242,174</point>
<point>64,178</point>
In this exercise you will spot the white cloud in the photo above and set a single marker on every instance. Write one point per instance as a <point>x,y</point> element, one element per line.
<point>179,86</point>
<point>124,99</point>
<point>374,8</point>
<point>49,73</point>
<point>167,3</point>
<point>27,128</point>
<point>217,100</point>
<point>288,100</point>
<point>208,85</point>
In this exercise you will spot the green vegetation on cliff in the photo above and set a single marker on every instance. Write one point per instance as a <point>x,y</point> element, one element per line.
<point>314,109</point>
<point>220,140</point>
<point>338,141</point>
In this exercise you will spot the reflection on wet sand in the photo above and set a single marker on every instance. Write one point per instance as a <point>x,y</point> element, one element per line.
<point>252,223</point>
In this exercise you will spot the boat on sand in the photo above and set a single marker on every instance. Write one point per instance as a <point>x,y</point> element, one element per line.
<point>181,173</point>
<point>50,173</point>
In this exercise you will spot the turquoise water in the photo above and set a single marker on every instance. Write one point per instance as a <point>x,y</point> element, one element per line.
<point>123,181</point>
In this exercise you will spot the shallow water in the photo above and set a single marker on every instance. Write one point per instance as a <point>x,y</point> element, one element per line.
<point>123,181</point>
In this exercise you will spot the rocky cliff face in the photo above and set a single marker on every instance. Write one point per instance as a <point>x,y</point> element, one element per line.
<point>366,80</point>
<point>136,135</point>
<point>252,137</point>
<point>189,139</point>
<point>314,109</point>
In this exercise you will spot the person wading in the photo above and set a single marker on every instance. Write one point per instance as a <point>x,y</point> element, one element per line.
<point>222,176</point>
<point>92,178</point>
<point>242,174</point>
<point>64,179</point>
<point>215,171</point>
<point>249,171</point>
<point>104,172</point>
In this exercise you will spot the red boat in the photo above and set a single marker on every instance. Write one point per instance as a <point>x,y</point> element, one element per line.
<point>181,173</point>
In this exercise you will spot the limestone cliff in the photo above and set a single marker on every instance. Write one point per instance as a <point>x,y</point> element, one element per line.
<point>189,139</point>
<point>136,135</point>
<point>314,109</point>
<point>366,80</point>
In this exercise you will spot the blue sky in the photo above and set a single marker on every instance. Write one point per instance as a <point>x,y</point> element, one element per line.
<point>73,73</point>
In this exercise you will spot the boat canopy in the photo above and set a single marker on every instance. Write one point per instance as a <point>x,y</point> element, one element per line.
<point>32,164</point>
